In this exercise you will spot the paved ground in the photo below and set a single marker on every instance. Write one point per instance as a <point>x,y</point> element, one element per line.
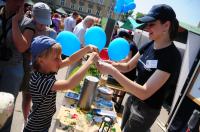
<point>18,117</point>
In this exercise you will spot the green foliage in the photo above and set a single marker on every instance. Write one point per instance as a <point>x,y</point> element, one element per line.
<point>125,16</point>
<point>92,71</point>
<point>138,15</point>
<point>77,89</point>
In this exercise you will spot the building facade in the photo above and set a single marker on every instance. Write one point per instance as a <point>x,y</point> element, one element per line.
<point>97,8</point>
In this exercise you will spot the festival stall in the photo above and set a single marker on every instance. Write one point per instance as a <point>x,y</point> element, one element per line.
<point>92,107</point>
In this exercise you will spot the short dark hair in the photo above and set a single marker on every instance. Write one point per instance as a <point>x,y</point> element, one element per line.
<point>75,13</point>
<point>124,33</point>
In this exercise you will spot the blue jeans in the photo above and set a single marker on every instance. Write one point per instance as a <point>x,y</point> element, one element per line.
<point>10,80</point>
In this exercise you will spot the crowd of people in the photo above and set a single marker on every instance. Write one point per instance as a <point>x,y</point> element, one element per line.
<point>31,57</point>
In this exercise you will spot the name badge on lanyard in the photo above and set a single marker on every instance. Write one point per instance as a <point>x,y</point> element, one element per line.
<point>151,63</point>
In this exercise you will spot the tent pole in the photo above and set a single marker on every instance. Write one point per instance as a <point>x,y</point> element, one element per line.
<point>118,16</point>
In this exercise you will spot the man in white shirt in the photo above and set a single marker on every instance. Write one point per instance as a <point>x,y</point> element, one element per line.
<point>79,31</point>
<point>70,22</point>
<point>81,28</point>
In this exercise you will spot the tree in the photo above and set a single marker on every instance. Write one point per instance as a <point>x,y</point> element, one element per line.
<point>139,14</point>
<point>125,16</point>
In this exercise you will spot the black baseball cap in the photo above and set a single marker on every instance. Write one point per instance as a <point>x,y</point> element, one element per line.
<point>161,12</point>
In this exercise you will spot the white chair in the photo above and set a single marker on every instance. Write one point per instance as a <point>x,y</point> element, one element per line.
<point>6,107</point>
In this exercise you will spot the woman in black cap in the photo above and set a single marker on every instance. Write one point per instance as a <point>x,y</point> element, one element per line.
<point>158,64</point>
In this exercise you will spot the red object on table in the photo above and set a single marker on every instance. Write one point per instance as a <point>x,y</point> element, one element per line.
<point>104,54</point>
<point>74,116</point>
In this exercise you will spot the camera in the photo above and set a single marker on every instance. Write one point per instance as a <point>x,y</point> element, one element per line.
<point>5,53</point>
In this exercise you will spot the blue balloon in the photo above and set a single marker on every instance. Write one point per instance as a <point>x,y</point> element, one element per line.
<point>95,36</point>
<point>123,6</point>
<point>128,7</point>
<point>118,49</point>
<point>116,10</point>
<point>128,1</point>
<point>119,6</point>
<point>69,42</point>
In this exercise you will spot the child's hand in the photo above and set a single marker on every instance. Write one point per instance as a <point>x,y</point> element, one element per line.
<point>93,48</point>
<point>93,56</point>
<point>97,58</point>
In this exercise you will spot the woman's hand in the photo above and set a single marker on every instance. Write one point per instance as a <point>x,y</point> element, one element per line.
<point>108,61</point>
<point>111,62</point>
<point>104,68</point>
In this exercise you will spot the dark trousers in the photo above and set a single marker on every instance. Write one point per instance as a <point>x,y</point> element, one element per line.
<point>138,116</point>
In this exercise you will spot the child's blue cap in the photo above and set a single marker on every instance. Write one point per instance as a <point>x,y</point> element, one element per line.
<point>40,44</point>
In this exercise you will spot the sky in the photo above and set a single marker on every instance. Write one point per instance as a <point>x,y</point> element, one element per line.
<point>187,11</point>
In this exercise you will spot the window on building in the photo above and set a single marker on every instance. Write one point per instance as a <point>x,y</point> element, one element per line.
<point>89,11</point>
<point>81,3</point>
<point>72,6</point>
<point>98,12</point>
<point>80,8</point>
<point>90,5</point>
<point>73,1</point>
<point>62,2</point>
<point>101,2</point>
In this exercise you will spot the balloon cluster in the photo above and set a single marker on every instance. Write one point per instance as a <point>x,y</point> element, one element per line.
<point>118,49</point>
<point>123,6</point>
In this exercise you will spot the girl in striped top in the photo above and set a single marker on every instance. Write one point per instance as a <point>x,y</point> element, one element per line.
<point>46,59</point>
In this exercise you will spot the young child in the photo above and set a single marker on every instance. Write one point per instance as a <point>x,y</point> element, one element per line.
<point>46,61</point>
